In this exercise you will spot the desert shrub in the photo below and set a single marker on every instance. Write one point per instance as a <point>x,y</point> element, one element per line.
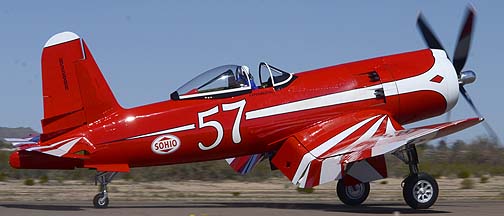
<point>463,174</point>
<point>236,194</point>
<point>29,182</point>
<point>484,179</point>
<point>2,176</point>
<point>43,179</point>
<point>384,182</point>
<point>467,184</point>
<point>305,190</point>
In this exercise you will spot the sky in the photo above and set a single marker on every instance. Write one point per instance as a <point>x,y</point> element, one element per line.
<point>147,49</point>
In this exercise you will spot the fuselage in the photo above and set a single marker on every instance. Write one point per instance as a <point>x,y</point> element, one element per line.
<point>409,86</point>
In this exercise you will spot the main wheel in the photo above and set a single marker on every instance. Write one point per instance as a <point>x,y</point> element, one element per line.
<point>352,195</point>
<point>99,202</point>
<point>420,191</point>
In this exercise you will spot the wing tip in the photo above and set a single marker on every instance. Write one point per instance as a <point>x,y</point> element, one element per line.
<point>60,38</point>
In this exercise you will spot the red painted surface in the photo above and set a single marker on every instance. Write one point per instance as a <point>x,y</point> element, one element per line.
<point>79,106</point>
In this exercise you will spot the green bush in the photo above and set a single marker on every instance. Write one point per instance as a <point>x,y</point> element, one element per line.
<point>29,182</point>
<point>463,174</point>
<point>467,184</point>
<point>2,176</point>
<point>305,190</point>
<point>484,179</point>
<point>43,179</point>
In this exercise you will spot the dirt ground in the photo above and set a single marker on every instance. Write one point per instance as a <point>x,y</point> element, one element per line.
<point>274,189</point>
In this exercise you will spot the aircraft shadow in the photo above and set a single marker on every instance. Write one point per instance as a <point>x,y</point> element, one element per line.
<point>382,208</point>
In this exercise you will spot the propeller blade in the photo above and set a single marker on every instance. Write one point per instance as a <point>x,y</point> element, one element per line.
<point>464,41</point>
<point>469,100</point>
<point>427,33</point>
<point>487,126</point>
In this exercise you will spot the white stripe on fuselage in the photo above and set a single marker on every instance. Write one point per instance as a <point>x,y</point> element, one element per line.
<point>316,102</point>
<point>442,66</point>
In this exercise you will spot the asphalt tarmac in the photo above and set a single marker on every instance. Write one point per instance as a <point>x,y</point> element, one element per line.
<point>254,208</point>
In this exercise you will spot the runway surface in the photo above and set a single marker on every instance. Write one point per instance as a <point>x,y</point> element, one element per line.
<point>249,208</point>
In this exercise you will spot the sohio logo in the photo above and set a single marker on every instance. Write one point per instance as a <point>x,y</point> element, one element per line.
<point>165,144</point>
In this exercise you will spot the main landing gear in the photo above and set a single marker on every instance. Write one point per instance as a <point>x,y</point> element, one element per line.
<point>101,199</point>
<point>352,195</point>
<point>420,190</point>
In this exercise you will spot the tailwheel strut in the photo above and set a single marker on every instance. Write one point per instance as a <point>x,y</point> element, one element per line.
<point>101,199</point>
<point>420,190</point>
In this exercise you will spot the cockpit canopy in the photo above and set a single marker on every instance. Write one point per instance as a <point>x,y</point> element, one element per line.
<point>230,80</point>
<point>220,80</point>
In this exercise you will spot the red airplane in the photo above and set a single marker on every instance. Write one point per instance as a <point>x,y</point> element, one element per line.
<point>318,126</point>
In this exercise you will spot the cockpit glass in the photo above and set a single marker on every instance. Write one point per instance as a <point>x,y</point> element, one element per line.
<point>223,79</point>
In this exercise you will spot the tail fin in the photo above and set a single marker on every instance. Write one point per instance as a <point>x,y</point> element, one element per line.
<point>74,90</point>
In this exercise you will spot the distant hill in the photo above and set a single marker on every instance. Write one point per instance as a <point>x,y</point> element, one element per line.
<point>19,132</point>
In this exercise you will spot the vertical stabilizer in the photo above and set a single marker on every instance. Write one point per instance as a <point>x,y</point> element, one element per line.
<point>74,90</point>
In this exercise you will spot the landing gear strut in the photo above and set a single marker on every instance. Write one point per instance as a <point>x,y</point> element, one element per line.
<point>420,190</point>
<point>101,199</point>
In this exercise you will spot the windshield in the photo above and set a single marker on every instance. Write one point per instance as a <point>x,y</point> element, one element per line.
<point>271,76</point>
<point>223,79</point>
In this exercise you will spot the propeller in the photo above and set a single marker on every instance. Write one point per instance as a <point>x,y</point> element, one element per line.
<point>459,58</point>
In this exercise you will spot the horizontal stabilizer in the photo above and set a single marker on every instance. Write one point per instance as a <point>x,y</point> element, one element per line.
<point>17,142</point>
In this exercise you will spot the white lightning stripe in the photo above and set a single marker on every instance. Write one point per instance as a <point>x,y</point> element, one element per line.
<point>48,146</point>
<point>63,149</point>
<point>305,162</point>
<point>319,150</point>
<point>330,169</point>
<point>316,102</point>
<point>385,145</point>
<point>390,128</point>
<point>172,130</point>
<point>302,181</point>
<point>366,136</point>
<point>230,160</point>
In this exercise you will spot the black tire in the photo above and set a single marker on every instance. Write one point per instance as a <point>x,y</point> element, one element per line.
<point>97,203</point>
<point>420,191</point>
<point>352,195</point>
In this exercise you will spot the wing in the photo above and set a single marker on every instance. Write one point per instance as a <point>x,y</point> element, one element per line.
<point>352,144</point>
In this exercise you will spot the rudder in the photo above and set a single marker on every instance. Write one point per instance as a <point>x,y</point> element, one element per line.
<point>74,90</point>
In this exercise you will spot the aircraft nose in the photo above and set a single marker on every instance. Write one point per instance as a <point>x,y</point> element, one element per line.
<point>14,160</point>
<point>467,77</point>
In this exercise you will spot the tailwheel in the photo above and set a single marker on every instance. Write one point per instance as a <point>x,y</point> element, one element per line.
<point>100,200</point>
<point>354,194</point>
<point>420,191</point>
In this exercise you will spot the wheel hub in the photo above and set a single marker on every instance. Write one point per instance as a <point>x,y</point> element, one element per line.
<point>423,191</point>
<point>355,191</point>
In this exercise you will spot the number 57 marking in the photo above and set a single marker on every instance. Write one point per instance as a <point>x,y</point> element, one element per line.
<point>240,105</point>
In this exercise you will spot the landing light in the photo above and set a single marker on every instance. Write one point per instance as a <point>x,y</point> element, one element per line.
<point>130,119</point>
